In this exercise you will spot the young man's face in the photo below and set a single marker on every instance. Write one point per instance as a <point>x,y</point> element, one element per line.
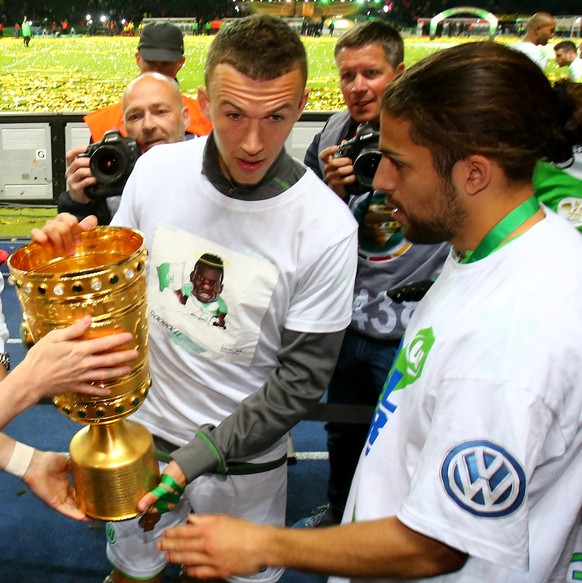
<point>564,58</point>
<point>153,113</point>
<point>364,74</point>
<point>252,119</point>
<point>428,207</point>
<point>206,283</point>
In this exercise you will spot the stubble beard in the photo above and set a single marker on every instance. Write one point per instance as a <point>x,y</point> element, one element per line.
<point>442,227</point>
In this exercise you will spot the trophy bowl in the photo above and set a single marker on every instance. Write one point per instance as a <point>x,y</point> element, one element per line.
<point>113,461</point>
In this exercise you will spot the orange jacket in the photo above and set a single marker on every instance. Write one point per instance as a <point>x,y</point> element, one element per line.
<point>111,118</point>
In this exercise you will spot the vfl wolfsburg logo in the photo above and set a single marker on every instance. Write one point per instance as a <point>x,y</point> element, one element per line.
<point>110,534</point>
<point>407,368</point>
<point>416,353</point>
<point>484,479</point>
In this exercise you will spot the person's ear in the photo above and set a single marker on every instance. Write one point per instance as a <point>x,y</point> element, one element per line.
<point>303,101</point>
<point>476,174</point>
<point>186,117</point>
<point>204,101</point>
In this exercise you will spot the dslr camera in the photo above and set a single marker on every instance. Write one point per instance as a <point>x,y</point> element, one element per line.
<point>111,162</point>
<point>363,150</point>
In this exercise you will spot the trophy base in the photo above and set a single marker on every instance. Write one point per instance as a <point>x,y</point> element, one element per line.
<point>113,466</point>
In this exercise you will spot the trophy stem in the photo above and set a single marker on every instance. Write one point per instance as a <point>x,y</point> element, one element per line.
<point>113,466</point>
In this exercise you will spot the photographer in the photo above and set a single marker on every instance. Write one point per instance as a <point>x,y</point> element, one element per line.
<point>368,58</point>
<point>160,50</point>
<point>153,114</point>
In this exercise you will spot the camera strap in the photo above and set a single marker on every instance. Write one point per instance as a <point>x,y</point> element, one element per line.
<point>495,237</point>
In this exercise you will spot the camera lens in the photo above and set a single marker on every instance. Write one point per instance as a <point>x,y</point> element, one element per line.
<point>108,165</point>
<point>365,167</point>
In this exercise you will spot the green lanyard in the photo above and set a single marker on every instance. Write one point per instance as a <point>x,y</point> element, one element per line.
<point>502,229</point>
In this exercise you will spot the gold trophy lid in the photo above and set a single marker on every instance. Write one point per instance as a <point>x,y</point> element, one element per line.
<point>101,247</point>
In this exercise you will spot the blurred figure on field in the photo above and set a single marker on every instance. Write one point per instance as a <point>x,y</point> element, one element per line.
<point>540,29</point>
<point>567,56</point>
<point>26,32</point>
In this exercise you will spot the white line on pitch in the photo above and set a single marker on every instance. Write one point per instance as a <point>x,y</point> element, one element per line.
<point>311,455</point>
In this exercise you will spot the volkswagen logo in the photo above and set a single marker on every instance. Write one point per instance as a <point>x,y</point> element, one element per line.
<point>484,479</point>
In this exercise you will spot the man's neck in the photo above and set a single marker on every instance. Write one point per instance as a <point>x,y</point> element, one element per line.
<point>529,38</point>
<point>485,214</point>
<point>283,174</point>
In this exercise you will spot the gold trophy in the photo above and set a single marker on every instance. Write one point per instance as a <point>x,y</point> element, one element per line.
<point>112,459</point>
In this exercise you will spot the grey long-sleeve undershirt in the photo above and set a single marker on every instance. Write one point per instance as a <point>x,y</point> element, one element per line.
<point>306,363</point>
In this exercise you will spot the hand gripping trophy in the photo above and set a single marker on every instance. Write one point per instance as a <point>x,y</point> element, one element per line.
<point>112,459</point>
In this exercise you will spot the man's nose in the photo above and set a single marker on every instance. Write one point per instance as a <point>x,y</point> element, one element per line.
<point>359,83</point>
<point>384,179</point>
<point>149,123</point>
<point>253,142</point>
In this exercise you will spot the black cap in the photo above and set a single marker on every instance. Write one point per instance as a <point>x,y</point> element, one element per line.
<point>161,41</point>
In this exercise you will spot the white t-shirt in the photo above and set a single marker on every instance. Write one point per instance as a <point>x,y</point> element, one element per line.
<point>536,53</point>
<point>4,334</point>
<point>575,68</point>
<point>288,262</point>
<point>477,438</point>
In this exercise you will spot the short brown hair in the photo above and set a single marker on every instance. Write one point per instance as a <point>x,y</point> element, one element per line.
<point>565,45</point>
<point>261,47</point>
<point>374,32</point>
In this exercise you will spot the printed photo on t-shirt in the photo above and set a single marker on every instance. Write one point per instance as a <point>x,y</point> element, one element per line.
<point>208,298</point>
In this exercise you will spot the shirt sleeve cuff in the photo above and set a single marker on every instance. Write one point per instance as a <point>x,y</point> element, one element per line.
<point>200,456</point>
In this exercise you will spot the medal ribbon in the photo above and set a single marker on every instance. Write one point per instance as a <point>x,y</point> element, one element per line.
<point>495,237</point>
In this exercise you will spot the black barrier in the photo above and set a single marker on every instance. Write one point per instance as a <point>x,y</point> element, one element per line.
<point>341,413</point>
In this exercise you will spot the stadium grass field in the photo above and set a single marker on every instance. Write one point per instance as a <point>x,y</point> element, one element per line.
<point>85,73</point>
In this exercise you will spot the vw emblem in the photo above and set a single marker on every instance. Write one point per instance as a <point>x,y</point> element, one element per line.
<point>484,479</point>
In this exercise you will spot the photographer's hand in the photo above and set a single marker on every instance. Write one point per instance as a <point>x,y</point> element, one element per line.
<point>78,175</point>
<point>338,171</point>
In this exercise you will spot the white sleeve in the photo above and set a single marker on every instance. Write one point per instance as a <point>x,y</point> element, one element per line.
<point>4,334</point>
<point>322,300</point>
<point>469,489</point>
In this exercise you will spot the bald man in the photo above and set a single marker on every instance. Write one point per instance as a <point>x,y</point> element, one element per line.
<point>160,50</point>
<point>540,29</point>
<point>153,113</point>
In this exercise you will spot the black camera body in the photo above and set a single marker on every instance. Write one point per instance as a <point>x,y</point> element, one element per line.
<point>363,151</point>
<point>111,162</point>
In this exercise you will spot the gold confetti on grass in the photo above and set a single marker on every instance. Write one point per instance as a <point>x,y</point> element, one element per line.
<point>18,221</point>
